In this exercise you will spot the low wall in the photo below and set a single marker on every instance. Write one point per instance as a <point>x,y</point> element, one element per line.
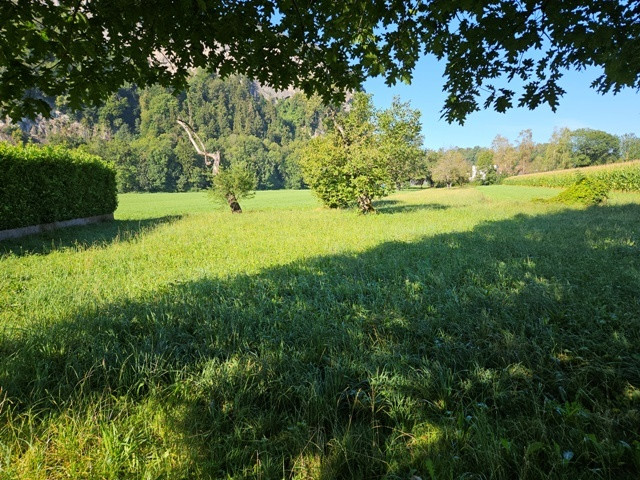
<point>47,227</point>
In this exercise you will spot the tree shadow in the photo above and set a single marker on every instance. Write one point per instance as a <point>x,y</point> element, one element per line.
<point>408,207</point>
<point>391,206</point>
<point>82,237</point>
<point>488,353</point>
<point>386,203</point>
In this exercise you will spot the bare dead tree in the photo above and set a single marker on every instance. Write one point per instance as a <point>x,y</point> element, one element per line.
<point>210,159</point>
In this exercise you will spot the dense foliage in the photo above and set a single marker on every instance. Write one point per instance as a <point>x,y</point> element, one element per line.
<point>44,185</point>
<point>137,130</point>
<point>365,154</point>
<point>565,149</point>
<point>593,147</point>
<point>585,191</point>
<point>89,49</point>
<point>623,177</point>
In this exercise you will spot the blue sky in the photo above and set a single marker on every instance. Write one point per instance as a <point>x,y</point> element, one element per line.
<point>580,107</point>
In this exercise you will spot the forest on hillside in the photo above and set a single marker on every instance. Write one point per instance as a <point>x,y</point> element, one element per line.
<point>138,131</point>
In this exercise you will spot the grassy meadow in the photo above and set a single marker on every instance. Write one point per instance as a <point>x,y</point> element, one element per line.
<point>460,333</point>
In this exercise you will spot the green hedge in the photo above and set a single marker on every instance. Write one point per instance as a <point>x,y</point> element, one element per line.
<point>624,177</point>
<point>44,185</point>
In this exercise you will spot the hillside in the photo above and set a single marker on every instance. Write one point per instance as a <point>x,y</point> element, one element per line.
<point>137,130</point>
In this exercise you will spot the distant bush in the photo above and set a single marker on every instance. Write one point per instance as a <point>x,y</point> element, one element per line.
<point>232,184</point>
<point>617,176</point>
<point>585,191</point>
<point>44,185</point>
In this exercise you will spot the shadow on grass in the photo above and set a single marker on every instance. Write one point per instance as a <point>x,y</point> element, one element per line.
<point>390,206</point>
<point>489,353</point>
<point>99,234</point>
<point>399,207</point>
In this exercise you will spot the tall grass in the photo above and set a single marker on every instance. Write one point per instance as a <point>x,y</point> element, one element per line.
<point>617,176</point>
<point>459,334</point>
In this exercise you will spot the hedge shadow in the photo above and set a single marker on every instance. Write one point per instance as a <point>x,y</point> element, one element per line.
<point>82,237</point>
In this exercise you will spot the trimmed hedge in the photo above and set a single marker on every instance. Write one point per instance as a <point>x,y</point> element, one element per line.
<point>44,185</point>
<point>616,176</point>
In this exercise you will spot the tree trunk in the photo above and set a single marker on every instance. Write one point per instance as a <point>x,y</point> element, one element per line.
<point>233,203</point>
<point>364,202</point>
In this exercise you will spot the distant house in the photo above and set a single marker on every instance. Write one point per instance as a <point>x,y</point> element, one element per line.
<point>476,172</point>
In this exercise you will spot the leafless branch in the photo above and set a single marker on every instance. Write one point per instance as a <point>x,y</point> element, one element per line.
<point>210,159</point>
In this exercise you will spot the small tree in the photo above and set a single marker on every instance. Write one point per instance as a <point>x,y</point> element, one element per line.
<point>232,184</point>
<point>347,166</point>
<point>342,175</point>
<point>451,169</point>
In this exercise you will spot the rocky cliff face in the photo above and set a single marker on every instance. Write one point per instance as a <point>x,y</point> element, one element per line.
<point>271,93</point>
<point>40,129</point>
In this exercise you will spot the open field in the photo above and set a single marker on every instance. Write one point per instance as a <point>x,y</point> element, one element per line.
<point>463,333</point>
<point>135,206</point>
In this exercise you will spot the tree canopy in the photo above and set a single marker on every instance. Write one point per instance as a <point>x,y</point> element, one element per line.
<point>346,166</point>
<point>365,154</point>
<point>497,53</point>
<point>451,169</point>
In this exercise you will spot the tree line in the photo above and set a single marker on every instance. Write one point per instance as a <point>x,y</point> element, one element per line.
<point>278,137</point>
<point>138,131</point>
<point>565,149</point>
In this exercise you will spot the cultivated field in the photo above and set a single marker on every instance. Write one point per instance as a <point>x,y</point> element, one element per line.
<point>623,177</point>
<point>463,333</point>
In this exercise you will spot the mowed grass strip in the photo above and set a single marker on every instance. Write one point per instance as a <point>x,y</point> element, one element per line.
<point>462,332</point>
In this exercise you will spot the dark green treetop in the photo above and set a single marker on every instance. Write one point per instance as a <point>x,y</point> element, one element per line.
<point>491,48</point>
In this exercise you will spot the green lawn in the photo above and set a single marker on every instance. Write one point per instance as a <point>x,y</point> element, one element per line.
<point>135,206</point>
<point>459,333</point>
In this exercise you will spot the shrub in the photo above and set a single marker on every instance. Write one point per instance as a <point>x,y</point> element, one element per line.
<point>343,175</point>
<point>44,185</point>
<point>233,184</point>
<point>585,191</point>
<point>622,176</point>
